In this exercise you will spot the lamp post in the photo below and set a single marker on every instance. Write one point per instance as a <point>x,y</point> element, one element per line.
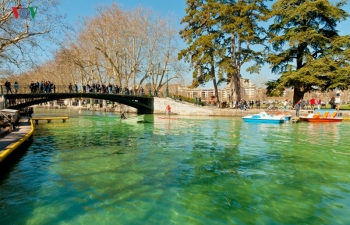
<point>167,89</point>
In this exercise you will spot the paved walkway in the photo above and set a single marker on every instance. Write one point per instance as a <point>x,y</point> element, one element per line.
<point>8,138</point>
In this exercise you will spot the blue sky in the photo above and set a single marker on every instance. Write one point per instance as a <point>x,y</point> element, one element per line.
<point>75,9</point>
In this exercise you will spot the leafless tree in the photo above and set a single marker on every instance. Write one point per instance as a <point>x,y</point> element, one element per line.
<point>27,31</point>
<point>260,82</point>
<point>130,48</point>
<point>126,47</point>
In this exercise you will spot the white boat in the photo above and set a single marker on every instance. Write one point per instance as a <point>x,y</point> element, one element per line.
<point>134,119</point>
<point>287,116</point>
<point>263,117</point>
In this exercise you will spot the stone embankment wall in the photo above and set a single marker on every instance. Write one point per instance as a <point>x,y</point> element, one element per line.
<point>185,108</point>
<point>182,108</point>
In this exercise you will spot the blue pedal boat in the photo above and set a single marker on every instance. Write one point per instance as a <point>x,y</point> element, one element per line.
<point>287,117</point>
<point>263,117</point>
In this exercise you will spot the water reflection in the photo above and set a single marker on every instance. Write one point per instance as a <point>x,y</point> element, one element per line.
<point>322,131</point>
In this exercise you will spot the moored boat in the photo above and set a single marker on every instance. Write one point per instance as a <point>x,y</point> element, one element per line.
<point>263,117</point>
<point>287,117</point>
<point>317,118</point>
<point>322,120</point>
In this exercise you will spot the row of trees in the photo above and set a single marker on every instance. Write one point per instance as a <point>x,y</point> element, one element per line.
<point>124,47</point>
<point>300,42</point>
<point>131,48</point>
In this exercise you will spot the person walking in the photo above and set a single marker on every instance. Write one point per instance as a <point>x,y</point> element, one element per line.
<point>70,88</point>
<point>16,87</point>
<point>8,87</point>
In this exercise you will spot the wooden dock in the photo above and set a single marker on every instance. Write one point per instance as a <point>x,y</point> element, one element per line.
<point>63,118</point>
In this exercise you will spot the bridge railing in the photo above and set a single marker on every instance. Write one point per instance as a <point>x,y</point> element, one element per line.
<point>65,89</point>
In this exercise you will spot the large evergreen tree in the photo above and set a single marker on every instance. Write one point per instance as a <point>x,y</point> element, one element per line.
<point>202,36</point>
<point>306,48</point>
<point>239,22</point>
<point>220,35</point>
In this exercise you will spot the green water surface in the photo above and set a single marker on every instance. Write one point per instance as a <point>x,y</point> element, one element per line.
<point>94,169</point>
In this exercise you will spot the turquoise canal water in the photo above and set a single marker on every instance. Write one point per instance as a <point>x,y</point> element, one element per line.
<point>94,169</point>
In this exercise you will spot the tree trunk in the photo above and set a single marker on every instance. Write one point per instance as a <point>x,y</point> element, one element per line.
<point>215,84</point>
<point>298,94</point>
<point>235,87</point>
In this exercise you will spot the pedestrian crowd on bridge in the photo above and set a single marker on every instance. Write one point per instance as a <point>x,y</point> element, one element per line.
<point>8,87</point>
<point>35,87</point>
<point>50,87</point>
<point>110,89</point>
<point>42,87</point>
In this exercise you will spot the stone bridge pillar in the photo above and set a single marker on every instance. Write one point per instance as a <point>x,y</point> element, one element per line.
<point>149,102</point>
<point>92,102</point>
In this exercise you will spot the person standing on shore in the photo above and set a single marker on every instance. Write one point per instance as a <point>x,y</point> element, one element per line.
<point>332,103</point>
<point>337,100</point>
<point>319,103</point>
<point>312,103</point>
<point>297,109</point>
<point>257,103</point>
<point>285,103</point>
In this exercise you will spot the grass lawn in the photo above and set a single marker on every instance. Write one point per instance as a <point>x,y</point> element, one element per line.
<point>342,107</point>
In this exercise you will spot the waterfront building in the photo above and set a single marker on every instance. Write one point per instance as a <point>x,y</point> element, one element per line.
<point>248,91</point>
